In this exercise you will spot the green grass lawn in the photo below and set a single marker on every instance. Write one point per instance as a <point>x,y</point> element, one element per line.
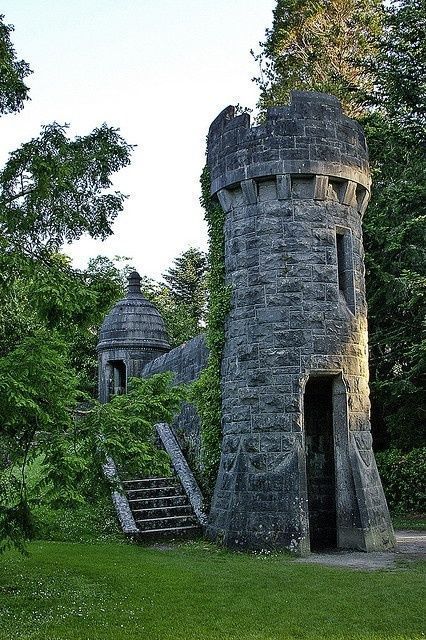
<point>84,582</point>
<point>107,590</point>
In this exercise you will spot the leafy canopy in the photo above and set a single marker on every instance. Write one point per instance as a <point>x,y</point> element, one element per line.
<point>395,228</point>
<point>54,189</point>
<point>13,90</point>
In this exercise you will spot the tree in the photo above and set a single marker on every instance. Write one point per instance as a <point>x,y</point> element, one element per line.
<point>187,292</point>
<point>13,90</point>
<point>52,190</point>
<point>400,67</point>
<point>395,227</point>
<point>374,60</point>
<point>182,298</point>
<point>320,46</point>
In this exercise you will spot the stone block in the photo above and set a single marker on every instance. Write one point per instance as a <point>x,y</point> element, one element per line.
<point>270,442</point>
<point>249,190</point>
<point>284,187</point>
<point>262,422</point>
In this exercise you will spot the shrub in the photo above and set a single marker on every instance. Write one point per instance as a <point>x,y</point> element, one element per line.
<point>403,477</point>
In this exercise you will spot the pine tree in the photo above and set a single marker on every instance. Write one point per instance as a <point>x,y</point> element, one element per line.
<point>187,288</point>
<point>320,46</point>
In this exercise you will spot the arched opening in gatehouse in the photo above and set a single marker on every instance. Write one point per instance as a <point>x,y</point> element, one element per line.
<point>116,378</point>
<point>320,461</point>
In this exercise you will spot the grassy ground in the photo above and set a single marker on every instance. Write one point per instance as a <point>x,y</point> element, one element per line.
<point>86,583</point>
<point>195,591</point>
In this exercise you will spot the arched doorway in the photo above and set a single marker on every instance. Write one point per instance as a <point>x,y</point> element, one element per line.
<point>320,461</point>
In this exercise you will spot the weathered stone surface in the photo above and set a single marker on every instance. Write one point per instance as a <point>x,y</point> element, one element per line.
<point>119,499</point>
<point>182,470</point>
<point>294,184</point>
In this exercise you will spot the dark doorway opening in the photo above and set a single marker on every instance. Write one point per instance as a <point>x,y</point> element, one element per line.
<point>320,467</point>
<point>116,378</point>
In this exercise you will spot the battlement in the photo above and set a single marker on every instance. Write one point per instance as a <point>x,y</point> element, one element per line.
<point>310,136</point>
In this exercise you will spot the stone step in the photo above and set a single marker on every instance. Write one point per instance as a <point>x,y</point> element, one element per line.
<point>170,532</point>
<point>148,483</point>
<point>166,523</point>
<point>164,501</point>
<point>160,508</point>
<point>161,501</point>
<point>154,492</point>
<point>163,512</point>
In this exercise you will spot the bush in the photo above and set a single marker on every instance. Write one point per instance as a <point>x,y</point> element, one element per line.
<point>403,477</point>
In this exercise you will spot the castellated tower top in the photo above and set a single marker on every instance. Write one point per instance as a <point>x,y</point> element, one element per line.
<point>311,136</point>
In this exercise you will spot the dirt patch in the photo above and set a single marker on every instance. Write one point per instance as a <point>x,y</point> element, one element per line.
<point>410,545</point>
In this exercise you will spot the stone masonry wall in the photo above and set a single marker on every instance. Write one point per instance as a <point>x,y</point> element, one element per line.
<point>291,188</point>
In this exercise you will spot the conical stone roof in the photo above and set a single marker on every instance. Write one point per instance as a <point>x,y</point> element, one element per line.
<point>133,322</point>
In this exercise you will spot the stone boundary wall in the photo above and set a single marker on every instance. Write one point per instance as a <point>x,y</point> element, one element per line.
<point>186,361</point>
<point>183,471</point>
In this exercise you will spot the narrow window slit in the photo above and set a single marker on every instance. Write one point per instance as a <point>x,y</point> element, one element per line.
<point>345,271</point>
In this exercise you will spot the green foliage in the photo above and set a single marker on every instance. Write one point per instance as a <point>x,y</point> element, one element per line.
<point>320,46</point>
<point>395,230</point>
<point>52,295</point>
<point>187,291</point>
<point>186,280</point>
<point>87,522</point>
<point>123,429</point>
<point>395,226</point>
<point>400,66</point>
<point>13,90</point>
<point>403,477</point>
<point>182,299</point>
<point>53,189</point>
<point>94,520</point>
<point>38,393</point>
<point>101,285</point>
<point>206,390</point>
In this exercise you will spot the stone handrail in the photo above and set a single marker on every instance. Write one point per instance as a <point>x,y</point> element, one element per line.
<point>182,469</point>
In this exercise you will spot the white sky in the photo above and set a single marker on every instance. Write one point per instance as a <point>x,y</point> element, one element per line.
<point>160,70</point>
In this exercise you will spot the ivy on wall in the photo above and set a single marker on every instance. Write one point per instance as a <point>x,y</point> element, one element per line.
<point>206,391</point>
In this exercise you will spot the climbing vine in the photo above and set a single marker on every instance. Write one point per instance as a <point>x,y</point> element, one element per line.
<point>207,389</point>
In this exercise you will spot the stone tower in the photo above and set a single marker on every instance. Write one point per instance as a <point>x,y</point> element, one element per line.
<point>132,334</point>
<point>297,469</point>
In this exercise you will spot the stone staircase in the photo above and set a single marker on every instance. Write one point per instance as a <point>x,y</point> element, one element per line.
<point>161,509</point>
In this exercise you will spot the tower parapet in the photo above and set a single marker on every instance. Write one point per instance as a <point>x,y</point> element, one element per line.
<point>297,468</point>
<point>310,137</point>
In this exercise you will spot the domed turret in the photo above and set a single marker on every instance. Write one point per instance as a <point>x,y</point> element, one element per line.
<point>132,334</point>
